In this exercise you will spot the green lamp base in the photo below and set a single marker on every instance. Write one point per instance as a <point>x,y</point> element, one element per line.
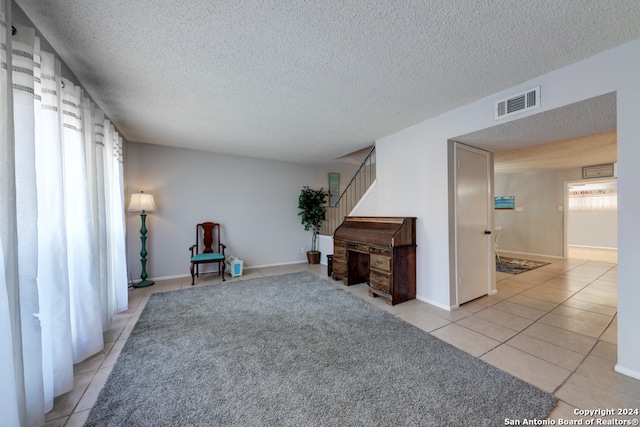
<point>143,284</point>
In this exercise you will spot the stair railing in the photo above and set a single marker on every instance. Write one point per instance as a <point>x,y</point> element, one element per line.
<point>351,195</point>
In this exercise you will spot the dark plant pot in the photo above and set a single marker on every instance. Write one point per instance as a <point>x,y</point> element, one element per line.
<point>313,257</point>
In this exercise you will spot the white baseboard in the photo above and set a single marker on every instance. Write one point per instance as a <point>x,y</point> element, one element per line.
<point>593,247</point>
<point>180,276</point>
<point>628,372</point>
<point>277,265</point>
<point>435,304</point>
<point>506,251</point>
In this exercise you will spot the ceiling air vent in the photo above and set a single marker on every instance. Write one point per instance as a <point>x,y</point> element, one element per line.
<point>518,103</point>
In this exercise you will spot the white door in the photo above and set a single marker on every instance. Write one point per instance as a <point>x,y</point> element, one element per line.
<point>473,238</point>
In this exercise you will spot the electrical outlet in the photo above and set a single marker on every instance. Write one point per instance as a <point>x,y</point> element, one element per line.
<point>302,250</point>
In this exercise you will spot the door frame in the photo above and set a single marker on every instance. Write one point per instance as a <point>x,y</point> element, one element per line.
<point>491,276</point>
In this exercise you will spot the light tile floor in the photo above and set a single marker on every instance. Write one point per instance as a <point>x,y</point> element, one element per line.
<point>554,327</point>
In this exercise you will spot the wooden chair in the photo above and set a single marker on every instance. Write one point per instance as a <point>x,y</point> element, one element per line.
<point>212,248</point>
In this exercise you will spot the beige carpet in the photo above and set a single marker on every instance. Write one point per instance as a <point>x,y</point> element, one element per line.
<point>294,350</point>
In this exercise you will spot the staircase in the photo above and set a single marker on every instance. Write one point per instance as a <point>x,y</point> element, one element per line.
<point>351,195</point>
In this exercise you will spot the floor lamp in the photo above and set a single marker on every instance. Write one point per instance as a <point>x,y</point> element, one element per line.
<point>142,202</point>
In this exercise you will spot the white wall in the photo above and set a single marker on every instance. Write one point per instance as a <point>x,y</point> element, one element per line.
<point>593,228</point>
<point>536,226</point>
<point>256,201</point>
<point>413,178</point>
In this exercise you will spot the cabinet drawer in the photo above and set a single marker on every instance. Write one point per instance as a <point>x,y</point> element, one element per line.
<point>339,268</point>
<point>380,262</point>
<point>380,251</point>
<point>358,247</point>
<point>380,281</point>
<point>339,249</point>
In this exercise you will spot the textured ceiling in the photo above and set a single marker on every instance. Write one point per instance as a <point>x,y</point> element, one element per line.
<point>311,81</point>
<point>589,150</point>
<point>576,135</point>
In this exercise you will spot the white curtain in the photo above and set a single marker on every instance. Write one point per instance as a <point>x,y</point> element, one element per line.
<point>105,161</point>
<point>113,157</point>
<point>22,46</point>
<point>11,372</point>
<point>62,262</point>
<point>86,322</point>
<point>8,396</point>
<point>53,282</point>
<point>93,142</point>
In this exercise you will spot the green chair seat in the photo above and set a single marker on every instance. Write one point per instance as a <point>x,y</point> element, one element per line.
<point>211,256</point>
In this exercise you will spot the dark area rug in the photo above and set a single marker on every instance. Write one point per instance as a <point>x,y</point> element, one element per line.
<point>294,350</point>
<point>517,265</point>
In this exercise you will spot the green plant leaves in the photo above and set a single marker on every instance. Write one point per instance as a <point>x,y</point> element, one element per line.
<point>313,211</point>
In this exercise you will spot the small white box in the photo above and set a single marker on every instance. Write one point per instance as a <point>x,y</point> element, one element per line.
<point>233,266</point>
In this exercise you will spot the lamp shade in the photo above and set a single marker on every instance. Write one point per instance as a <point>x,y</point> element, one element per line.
<point>141,202</point>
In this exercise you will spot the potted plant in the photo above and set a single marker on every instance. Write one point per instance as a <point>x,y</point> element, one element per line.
<point>312,213</point>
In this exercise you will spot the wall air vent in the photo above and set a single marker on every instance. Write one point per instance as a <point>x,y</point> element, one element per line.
<point>518,103</point>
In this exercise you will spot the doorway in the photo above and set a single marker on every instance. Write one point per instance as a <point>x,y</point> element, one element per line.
<point>534,143</point>
<point>591,220</point>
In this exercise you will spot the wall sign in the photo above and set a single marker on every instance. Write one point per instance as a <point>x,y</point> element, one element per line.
<point>597,171</point>
<point>334,188</point>
<point>505,202</point>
